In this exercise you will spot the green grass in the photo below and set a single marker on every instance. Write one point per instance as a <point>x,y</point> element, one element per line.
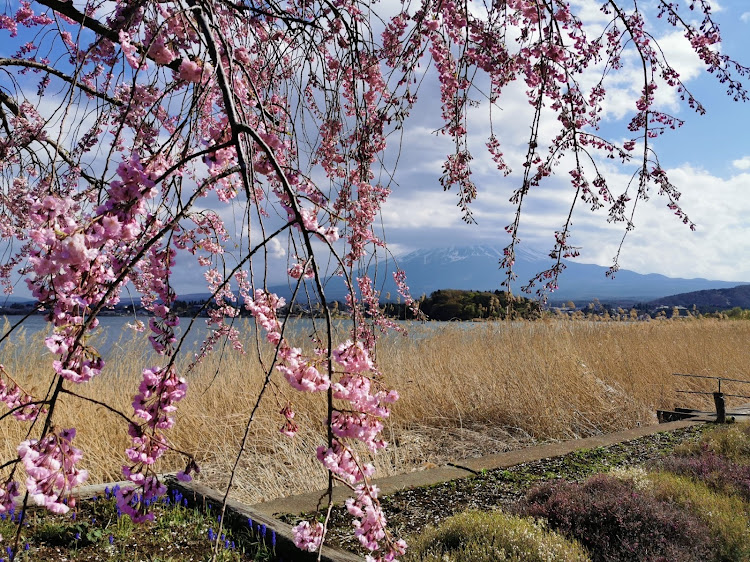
<point>725,515</point>
<point>476,536</point>
<point>731,442</point>
<point>95,530</point>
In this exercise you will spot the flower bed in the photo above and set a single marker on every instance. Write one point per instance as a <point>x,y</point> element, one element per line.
<point>97,530</point>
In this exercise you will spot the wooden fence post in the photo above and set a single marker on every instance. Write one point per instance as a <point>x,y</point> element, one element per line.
<point>721,407</point>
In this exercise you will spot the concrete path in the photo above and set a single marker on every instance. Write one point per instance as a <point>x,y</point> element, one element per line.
<point>304,503</point>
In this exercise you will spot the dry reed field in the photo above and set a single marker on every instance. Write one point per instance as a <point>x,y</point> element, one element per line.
<point>466,390</point>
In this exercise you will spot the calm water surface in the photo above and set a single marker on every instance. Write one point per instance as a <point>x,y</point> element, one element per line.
<point>114,331</point>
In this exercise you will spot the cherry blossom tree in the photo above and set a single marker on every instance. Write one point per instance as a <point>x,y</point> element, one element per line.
<point>131,131</point>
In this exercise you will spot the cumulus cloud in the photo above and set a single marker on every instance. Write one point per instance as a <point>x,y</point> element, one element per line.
<point>661,243</point>
<point>276,249</point>
<point>719,247</point>
<point>745,17</point>
<point>420,215</point>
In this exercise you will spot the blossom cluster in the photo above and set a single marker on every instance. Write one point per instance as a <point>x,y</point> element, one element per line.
<point>9,491</point>
<point>301,372</point>
<point>155,402</point>
<point>76,258</point>
<point>362,422</point>
<point>370,523</point>
<point>20,402</point>
<point>50,469</point>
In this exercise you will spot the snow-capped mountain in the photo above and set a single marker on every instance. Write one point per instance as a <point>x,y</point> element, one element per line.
<point>454,254</point>
<point>477,268</point>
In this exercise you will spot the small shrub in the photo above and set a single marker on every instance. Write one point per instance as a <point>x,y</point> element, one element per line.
<point>616,522</point>
<point>726,516</point>
<point>637,476</point>
<point>731,442</point>
<point>476,536</point>
<point>715,471</point>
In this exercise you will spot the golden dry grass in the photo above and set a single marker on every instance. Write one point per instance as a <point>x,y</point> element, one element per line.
<point>465,391</point>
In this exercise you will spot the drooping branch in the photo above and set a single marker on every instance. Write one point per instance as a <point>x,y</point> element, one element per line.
<point>26,63</point>
<point>69,10</point>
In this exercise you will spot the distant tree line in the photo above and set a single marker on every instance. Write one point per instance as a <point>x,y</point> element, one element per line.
<point>455,304</point>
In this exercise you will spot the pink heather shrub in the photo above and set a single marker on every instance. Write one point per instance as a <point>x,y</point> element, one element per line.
<point>617,523</point>
<point>714,470</point>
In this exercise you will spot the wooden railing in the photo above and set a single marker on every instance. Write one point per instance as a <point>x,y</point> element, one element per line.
<point>719,396</point>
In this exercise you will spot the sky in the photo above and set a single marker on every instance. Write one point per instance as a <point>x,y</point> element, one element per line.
<point>708,159</point>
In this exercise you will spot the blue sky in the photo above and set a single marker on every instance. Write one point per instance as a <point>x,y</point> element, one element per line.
<point>708,159</point>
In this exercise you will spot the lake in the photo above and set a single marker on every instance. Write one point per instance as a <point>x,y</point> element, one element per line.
<point>114,330</point>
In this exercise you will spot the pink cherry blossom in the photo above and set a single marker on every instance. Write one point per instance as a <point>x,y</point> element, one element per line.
<point>353,357</point>
<point>308,537</point>
<point>190,71</point>
<point>50,469</point>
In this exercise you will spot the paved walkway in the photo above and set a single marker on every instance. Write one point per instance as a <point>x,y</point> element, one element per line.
<point>461,469</point>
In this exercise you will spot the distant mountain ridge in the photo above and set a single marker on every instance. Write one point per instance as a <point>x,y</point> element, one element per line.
<point>710,299</point>
<point>477,267</point>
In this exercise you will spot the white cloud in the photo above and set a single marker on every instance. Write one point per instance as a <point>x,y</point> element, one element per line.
<point>420,215</point>
<point>424,216</point>
<point>590,13</point>
<point>660,243</point>
<point>745,17</point>
<point>625,86</point>
<point>276,249</point>
<point>681,55</point>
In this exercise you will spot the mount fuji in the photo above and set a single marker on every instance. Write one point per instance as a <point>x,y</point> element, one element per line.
<point>477,268</point>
